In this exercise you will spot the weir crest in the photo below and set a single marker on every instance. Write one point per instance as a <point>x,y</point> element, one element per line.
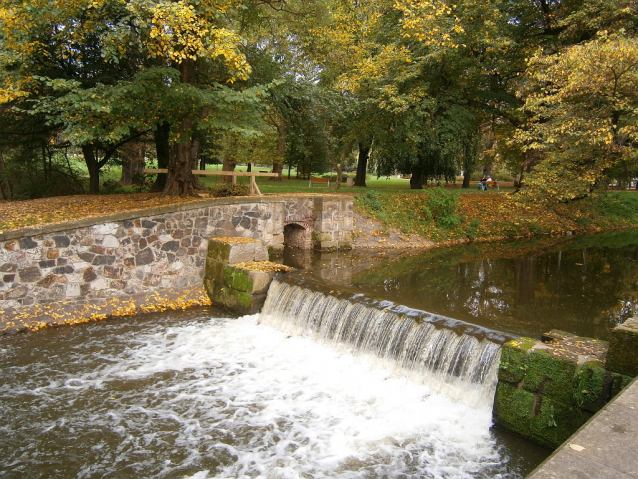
<point>450,356</point>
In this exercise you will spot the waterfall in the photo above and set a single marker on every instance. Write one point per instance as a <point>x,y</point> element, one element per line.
<point>455,358</point>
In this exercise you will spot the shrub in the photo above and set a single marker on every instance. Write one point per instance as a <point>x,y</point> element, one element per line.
<point>111,187</point>
<point>369,201</point>
<point>441,208</point>
<point>230,190</point>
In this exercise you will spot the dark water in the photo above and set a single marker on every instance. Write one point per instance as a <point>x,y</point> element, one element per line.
<point>584,285</point>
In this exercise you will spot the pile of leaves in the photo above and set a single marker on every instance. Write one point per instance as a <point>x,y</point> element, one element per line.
<point>263,266</point>
<point>20,214</point>
<point>236,240</point>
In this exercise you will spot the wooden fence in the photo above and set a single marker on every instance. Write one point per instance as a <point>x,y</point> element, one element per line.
<point>254,189</point>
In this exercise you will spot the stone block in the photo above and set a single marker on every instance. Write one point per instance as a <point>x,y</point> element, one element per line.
<point>9,268</point>
<point>536,417</point>
<point>144,257</point>
<point>592,386</point>
<point>550,375</point>
<point>515,360</point>
<point>62,241</point>
<point>110,241</point>
<point>261,281</point>
<point>232,253</point>
<point>18,292</point>
<point>30,274</point>
<point>27,243</point>
<point>623,348</point>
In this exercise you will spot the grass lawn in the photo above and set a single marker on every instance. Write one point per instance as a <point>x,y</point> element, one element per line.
<point>441,214</point>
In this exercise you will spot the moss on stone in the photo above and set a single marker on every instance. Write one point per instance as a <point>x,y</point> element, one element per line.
<point>238,279</point>
<point>555,422</point>
<point>535,417</point>
<point>623,349</point>
<point>218,250</point>
<point>550,375</point>
<point>515,360</point>
<point>214,268</point>
<point>619,382</point>
<point>592,386</point>
<point>513,406</point>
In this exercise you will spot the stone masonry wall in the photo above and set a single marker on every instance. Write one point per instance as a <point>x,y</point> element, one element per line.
<point>128,256</point>
<point>547,390</point>
<point>133,254</point>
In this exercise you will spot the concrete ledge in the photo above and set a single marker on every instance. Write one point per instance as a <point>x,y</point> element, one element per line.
<point>604,448</point>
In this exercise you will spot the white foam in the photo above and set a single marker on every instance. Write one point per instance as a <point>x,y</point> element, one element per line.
<point>231,398</point>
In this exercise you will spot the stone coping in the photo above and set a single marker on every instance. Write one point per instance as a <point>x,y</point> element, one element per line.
<point>134,214</point>
<point>603,448</point>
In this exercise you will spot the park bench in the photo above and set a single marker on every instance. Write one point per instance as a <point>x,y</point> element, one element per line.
<point>319,182</point>
<point>254,189</point>
<point>489,184</point>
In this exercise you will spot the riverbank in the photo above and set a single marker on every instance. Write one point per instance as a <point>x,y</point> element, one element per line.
<point>444,217</point>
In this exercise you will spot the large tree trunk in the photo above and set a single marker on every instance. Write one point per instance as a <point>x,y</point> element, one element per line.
<point>417,179</point>
<point>466,178</point>
<point>362,163</point>
<point>230,160</point>
<point>5,182</point>
<point>93,166</point>
<point>180,181</point>
<point>162,150</point>
<point>132,164</point>
<point>195,150</point>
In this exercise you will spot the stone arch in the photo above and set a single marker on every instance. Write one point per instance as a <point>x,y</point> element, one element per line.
<point>297,236</point>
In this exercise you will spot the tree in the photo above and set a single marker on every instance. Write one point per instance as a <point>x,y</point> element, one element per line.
<point>585,117</point>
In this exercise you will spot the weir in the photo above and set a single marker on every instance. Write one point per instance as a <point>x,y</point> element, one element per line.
<point>450,356</point>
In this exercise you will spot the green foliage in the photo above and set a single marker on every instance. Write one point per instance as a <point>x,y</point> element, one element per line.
<point>369,201</point>
<point>230,190</point>
<point>441,207</point>
<point>112,187</point>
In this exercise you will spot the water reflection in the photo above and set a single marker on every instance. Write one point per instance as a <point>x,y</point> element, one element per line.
<point>584,285</point>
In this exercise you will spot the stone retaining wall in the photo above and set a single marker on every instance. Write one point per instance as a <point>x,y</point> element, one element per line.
<point>547,390</point>
<point>140,253</point>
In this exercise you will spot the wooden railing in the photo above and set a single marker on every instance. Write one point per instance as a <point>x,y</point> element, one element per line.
<point>254,189</point>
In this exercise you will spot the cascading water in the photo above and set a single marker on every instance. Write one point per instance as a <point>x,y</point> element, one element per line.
<point>452,357</point>
<point>203,396</point>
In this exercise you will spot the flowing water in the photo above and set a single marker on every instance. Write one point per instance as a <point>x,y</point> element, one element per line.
<point>324,383</point>
<point>450,356</point>
<point>585,285</point>
<point>197,394</point>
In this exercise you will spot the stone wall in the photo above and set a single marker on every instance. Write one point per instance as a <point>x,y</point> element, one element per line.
<point>323,223</point>
<point>548,389</point>
<point>140,253</point>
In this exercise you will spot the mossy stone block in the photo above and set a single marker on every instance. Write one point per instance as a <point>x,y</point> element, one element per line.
<point>233,253</point>
<point>554,422</point>
<point>538,418</point>
<point>619,382</point>
<point>592,386</point>
<point>550,375</point>
<point>623,348</point>
<point>515,360</point>
<point>214,269</point>
<point>513,407</point>
<point>218,250</point>
<point>238,279</point>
